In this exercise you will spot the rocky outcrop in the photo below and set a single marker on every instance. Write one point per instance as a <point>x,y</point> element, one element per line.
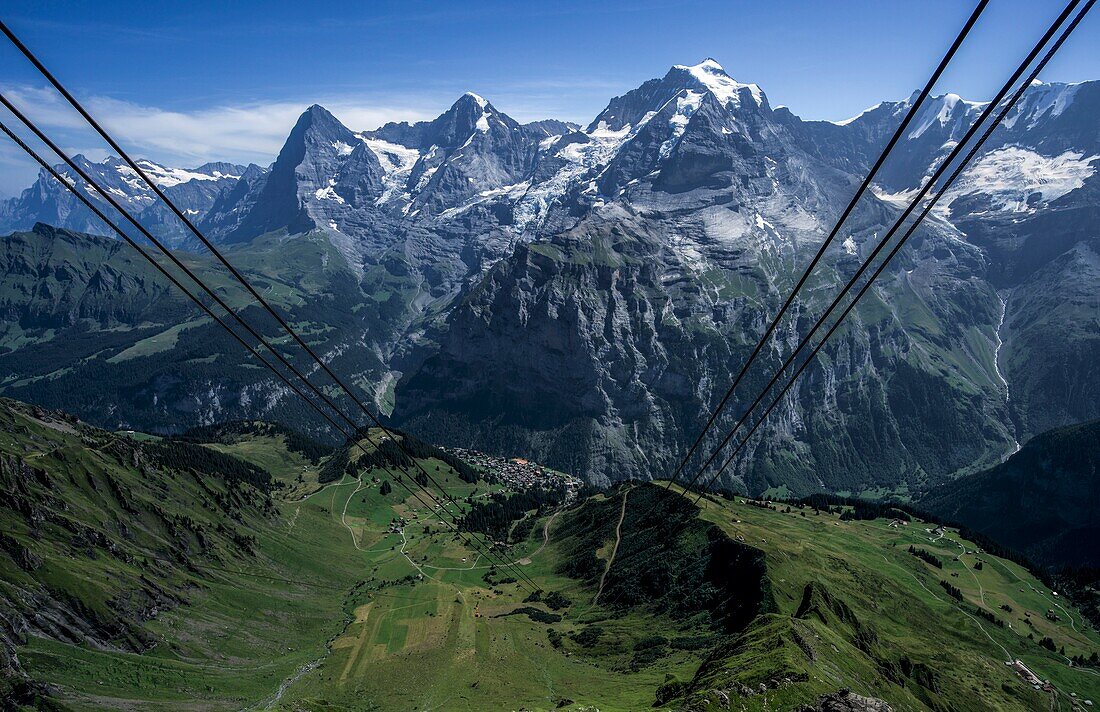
<point>847,701</point>
<point>602,348</point>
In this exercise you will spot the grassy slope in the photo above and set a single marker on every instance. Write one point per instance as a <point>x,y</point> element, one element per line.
<point>355,628</point>
<point>444,643</point>
<point>425,647</point>
<point>326,572</point>
<point>271,454</point>
<point>234,636</point>
<point>867,566</point>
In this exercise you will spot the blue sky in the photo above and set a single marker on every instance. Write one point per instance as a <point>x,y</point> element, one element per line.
<point>188,82</point>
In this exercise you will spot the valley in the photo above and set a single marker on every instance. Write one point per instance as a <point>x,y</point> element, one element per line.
<point>342,597</point>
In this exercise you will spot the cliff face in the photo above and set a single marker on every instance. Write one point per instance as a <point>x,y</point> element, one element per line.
<point>602,350</point>
<point>602,346</point>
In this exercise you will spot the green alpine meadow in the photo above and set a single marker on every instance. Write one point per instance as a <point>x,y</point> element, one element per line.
<point>159,573</point>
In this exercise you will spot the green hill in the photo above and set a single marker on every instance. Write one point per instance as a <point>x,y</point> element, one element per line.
<point>158,574</point>
<point>855,608</point>
<point>1044,501</point>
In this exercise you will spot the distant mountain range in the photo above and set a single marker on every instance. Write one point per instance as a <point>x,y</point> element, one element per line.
<point>585,295</point>
<point>193,190</point>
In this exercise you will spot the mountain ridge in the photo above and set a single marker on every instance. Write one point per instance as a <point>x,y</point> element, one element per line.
<point>1041,501</point>
<point>673,224</point>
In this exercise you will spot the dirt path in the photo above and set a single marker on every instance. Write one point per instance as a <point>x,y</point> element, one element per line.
<point>614,549</point>
<point>981,591</point>
<point>425,574</point>
<point>471,567</point>
<point>344,514</point>
<point>545,535</point>
<point>523,561</point>
<point>1069,616</point>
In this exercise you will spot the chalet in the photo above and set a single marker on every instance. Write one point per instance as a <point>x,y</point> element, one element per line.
<point>1028,676</point>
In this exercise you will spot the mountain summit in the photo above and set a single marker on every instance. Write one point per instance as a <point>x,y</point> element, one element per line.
<point>680,81</point>
<point>304,171</point>
<point>454,127</point>
<point>710,75</point>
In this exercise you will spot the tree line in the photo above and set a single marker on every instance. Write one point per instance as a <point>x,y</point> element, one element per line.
<point>388,455</point>
<point>495,514</point>
<point>230,432</point>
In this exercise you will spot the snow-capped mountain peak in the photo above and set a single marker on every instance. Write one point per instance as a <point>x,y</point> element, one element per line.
<point>711,76</point>
<point>945,110</point>
<point>693,127</point>
<point>164,176</point>
<point>480,100</point>
<point>652,96</point>
<point>472,113</point>
<point>1043,100</point>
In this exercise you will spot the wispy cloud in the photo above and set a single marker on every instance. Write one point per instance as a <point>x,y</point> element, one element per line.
<point>246,133</point>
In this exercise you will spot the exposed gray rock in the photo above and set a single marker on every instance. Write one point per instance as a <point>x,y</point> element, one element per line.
<point>847,701</point>
<point>193,190</point>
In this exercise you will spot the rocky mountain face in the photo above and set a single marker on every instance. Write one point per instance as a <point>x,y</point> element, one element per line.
<point>303,175</point>
<point>586,295</point>
<point>86,321</point>
<point>1029,202</point>
<point>603,346</point>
